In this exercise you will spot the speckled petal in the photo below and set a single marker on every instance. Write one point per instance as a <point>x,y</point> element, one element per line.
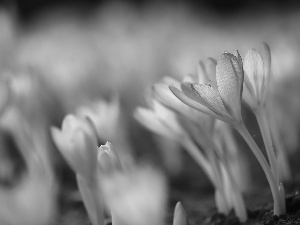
<point>210,98</point>
<point>190,102</point>
<point>230,76</point>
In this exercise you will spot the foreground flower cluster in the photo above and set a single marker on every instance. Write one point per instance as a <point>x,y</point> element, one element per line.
<point>216,92</point>
<point>133,195</point>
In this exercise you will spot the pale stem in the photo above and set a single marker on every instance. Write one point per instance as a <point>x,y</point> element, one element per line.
<point>279,208</point>
<point>200,159</point>
<point>211,170</point>
<point>240,209</point>
<point>261,117</point>
<point>93,203</point>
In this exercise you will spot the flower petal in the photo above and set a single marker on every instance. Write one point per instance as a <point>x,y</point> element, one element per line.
<point>254,68</point>
<point>230,76</point>
<point>192,103</point>
<point>210,98</point>
<point>210,67</point>
<point>179,215</point>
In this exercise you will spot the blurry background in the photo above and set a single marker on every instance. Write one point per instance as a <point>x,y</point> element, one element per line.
<point>86,49</point>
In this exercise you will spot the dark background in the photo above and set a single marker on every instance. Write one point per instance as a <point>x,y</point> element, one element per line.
<point>28,9</point>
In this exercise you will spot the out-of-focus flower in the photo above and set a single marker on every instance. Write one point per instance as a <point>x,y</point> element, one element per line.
<point>78,144</point>
<point>32,202</point>
<point>104,115</point>
<point>159,120</point>
<point>37,184</point>
<point>137,197</point>
<point>223,102</point>
<point>108,159</point>
<point>257,76</point>
<point>179,215</point>
<point>110,124</point>
<point>238,165</point>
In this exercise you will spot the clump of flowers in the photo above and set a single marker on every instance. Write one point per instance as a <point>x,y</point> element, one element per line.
<point>196,132</point>
<point>134,196</point>
<point>221,98</point>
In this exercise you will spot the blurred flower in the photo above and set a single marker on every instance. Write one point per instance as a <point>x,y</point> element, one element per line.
<point>110,124</point>
<point>137,197</point>
<point>108,159</point>
<point>104,115</point>
<point>78,144</point>
<point>179,215</point>
<point>223,103</point>
<point>159,120</point>
<point>37,184</point>
<point>257,76</point>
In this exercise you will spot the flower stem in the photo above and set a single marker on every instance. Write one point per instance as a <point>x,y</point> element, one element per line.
<point>279,208</point>
<point>90,196</point>
<point>261,117</point>
<point>200,159</point>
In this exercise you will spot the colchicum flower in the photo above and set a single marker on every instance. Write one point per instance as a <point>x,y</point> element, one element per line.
<point>109,123</point>
<point>137,197</point>
<point>108,159</point>
<point>77,142</point>
<point>198,127</point>
<point>221,99</point>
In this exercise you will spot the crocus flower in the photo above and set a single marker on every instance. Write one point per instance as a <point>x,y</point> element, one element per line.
<point>160,120</point>
<point>221,98</point>
<point>104,115</point>
<point>137,197</point>
<point>108,159</point>
<point>257,76</point>
<point>78,144</point>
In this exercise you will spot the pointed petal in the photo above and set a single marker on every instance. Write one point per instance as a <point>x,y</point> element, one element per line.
<point>230,78</point>
<point>266,55</point>
<point>202,76</point>
<point>210,67</point>
<point>179,215</point>
<point>192,103</point>
<point>254,68</point>
<point>171,81</point>
<point>210,98</point>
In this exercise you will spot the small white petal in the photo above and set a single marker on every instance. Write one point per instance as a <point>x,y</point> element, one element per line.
<point>179,215</point>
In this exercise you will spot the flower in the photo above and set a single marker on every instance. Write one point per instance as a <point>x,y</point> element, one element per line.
<point>108,159</point>
<point>137,197</point>
<point>104,115</point>
<point>221,98</point>
<point>162,93</point>
<point>78,144</point>
<point>160,120</point>
<point>257,76</point>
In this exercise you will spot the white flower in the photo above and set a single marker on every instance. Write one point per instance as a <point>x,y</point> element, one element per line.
<point>257,76</point>
<point>160,120</point>
<point>104,115</point>
<point>108,159</point>
<point>78,144</point>
<point>136,198</point>
<point>221,98</point>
